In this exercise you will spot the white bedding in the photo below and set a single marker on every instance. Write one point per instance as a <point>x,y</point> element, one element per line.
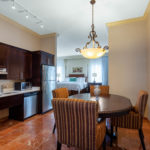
<point>76,86</point>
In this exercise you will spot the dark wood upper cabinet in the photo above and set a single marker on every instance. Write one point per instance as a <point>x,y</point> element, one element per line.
<point>22,64</point>
<point>3,55</point>
<point>28,65</point>
<point>47,59</point>
<point>40,58</point>
<point>17,61</point>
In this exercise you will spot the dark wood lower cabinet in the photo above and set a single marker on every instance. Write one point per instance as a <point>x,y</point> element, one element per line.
<point>16,106</point>
<point>16,112</point>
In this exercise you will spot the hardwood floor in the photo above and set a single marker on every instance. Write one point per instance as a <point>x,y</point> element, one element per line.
<point>36,134</point>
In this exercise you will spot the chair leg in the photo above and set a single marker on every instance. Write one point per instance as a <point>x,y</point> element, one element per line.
<point>142,138</point>
<point>58,145</point>
<point>104,143</point>
<point>111,136</point>
<point>54,128</point>
<point>142,134</point>
<point>116,130</point>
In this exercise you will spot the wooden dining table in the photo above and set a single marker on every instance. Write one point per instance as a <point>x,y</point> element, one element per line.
<point>109,105</point>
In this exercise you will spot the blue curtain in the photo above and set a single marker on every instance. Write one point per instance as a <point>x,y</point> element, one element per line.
<point>100,67</point>
<point>105,70</point>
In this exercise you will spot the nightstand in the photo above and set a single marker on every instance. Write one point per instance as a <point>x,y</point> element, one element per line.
<point>93,83</point>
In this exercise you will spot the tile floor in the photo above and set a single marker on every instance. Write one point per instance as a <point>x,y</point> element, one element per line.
<point>36,134</point>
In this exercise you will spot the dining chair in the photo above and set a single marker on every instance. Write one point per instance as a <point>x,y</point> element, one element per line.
<point>60,93</point>
<point>104,90</point>
<point>133,120</point>
<point>77,126</point>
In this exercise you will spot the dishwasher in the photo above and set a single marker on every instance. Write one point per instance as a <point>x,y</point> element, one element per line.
<point>30,104</point>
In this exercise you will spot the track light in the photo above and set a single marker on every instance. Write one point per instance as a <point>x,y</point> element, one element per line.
<point>27,14</point>
<point>13,5</point>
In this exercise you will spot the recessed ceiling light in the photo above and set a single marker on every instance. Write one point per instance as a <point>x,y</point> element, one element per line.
<point>42,26</point>
<point>13,7</point>
<point>27,16</point>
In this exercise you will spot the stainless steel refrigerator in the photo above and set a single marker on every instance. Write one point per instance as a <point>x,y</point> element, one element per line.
<point>48,84</point>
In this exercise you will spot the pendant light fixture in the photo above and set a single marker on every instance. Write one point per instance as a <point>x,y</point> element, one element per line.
<point>95,51</point>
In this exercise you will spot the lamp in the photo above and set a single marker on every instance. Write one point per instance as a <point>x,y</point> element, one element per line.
<point>58,75</point>
<point>94,52</point>
<point>94,75</point>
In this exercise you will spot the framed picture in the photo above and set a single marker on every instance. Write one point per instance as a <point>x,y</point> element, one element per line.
<point>77,69</point>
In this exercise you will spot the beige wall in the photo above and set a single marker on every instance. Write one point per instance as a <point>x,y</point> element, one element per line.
<point>48,44</point>
<point>148,40</point>
<point>128,59</point>
<point>14,34</point>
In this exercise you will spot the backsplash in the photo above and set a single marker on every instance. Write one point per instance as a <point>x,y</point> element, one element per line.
<point>7,84</point>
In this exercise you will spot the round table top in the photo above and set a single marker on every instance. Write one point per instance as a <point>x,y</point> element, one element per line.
<point>111,105</point>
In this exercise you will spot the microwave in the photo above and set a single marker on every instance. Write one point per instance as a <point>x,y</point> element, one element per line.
<point>22,86</point>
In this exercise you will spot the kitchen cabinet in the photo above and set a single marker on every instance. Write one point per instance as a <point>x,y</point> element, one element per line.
<point>13,63</point>
<point>40,58</point>
<point>17,61</point>
<point>3,55</point>
<point>21,106</point>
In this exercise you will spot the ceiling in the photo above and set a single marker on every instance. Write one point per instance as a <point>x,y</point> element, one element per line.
<point>71,19</point>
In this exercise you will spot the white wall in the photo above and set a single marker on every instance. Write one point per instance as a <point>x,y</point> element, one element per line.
<point>70,63</point>
<point>61,69</point>
<point>128,59</point>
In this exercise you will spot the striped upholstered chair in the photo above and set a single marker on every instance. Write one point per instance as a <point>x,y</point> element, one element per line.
<point>77,126</point>
<point>103,88</point>
<point>133,120</point>
<point>60,93</point>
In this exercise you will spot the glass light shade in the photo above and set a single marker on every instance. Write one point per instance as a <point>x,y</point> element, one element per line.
<point>93,53</point>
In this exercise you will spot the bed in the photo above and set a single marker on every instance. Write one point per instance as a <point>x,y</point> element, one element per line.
<point>74,86</point>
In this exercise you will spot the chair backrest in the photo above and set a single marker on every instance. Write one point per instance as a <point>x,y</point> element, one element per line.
<point>103,88</point>
<point>60,93</point>
<point>141,102</point>
<point>76,122</point>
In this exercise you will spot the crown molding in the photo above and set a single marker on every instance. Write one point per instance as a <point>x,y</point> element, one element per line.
<point>143,18</point>
<point>25,28</point>
<point>125,21</point>
<point>147,11</point>
<point>49,35</point>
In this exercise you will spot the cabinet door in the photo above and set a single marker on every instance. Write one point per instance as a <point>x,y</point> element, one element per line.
<point>3,55</point>
<point>21,64</point>
<point>13,64</point>
<point>47,59</point>
<point>28,65</point>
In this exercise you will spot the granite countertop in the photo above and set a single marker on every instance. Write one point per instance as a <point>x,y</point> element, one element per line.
<point>14,92</point>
